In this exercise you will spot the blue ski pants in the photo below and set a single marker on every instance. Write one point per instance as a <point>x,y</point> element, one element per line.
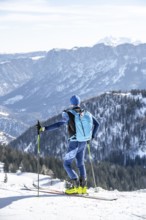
<point>76,150</point>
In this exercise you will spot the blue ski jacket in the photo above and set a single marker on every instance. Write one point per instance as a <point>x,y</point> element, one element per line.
<point>65,120</point>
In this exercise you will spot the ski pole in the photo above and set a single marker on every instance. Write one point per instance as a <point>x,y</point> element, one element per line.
<point>38,153</point>
<point>90,157</point>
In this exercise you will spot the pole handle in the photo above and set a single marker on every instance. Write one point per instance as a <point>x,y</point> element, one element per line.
<point>38,127</point>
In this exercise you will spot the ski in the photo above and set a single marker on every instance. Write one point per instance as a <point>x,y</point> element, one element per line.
<point>61,193</point>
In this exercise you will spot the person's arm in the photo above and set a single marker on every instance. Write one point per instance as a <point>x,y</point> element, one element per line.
<point>95,126</point>
<point>65,119</point>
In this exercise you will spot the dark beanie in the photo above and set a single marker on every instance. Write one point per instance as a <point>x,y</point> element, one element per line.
<point>75,100</point>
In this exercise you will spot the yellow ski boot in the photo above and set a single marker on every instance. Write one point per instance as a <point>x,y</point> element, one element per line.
<point>72,187</point>
<point>82,189</point>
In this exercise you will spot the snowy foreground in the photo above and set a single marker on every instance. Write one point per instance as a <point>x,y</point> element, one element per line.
<point>19,204</point>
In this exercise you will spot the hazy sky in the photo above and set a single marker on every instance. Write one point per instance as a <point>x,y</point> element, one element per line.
<point>32,25</point>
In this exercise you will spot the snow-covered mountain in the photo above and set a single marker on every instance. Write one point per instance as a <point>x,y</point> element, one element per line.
<point>113,41</point>
<point>16,70</point>
<point>11,126</point>
<point>39,85</point>
<point>5,138</point>
<point>121,135</point>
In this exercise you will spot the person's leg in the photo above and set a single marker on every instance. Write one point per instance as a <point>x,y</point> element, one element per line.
<point>72,185</point>
<point>80,159</point>
<point>68,159</point>
<point>82,189</point>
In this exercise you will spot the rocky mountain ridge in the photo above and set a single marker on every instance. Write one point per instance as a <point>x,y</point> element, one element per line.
<point>38,85</point>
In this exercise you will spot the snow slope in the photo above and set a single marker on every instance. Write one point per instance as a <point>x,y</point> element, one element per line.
<point>19,204</point>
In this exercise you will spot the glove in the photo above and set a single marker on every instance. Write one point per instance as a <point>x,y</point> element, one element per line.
<point>42,129</point>
<point>39,127</point>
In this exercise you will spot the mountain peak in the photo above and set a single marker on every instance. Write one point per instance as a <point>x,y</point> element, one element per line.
<point>113,41</point>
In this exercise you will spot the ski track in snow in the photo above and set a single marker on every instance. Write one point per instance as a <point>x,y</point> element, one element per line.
<point>19,204</point>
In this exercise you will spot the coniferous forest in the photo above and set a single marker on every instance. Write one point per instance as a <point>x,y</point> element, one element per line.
<point>108,175</point>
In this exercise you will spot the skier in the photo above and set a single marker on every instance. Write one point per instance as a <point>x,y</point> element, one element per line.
<point>82,127</point>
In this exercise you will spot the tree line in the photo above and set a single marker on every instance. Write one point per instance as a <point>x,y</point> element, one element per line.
<point>108,175</point>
